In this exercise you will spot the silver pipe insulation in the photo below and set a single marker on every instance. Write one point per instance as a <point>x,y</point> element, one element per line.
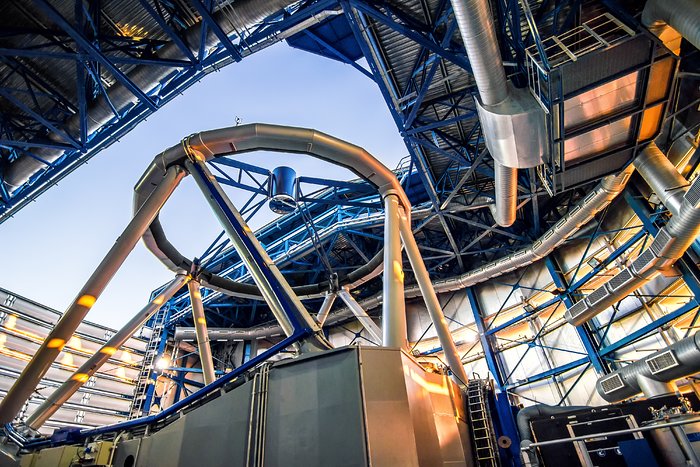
<point>230,334</point>
<point>200,326</point>
<point>669,245</point>
<point>283,314</point>
<point>478,33</point>
<point>506,186</point>
<point>146,77</point>
<point>52,346</point>
<point>662,177</point>
<point>64,392</point>
<point>662,367</point>
<point>681,15</point>
<point>394,328</point>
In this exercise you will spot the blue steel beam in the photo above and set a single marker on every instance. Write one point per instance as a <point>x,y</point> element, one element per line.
<point>209,20</point>
<point>584,332</point>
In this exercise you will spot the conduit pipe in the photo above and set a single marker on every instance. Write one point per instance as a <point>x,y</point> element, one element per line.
<point>512,122</point>
<point>653,373</point>
<point>146,77</point>
<point>94,363</point>
<point>681,15</point>
<point>246,138</point>
<point>394,328</point>
<point>200,326</point>
<point>37,367</point>
<point>670,243</point>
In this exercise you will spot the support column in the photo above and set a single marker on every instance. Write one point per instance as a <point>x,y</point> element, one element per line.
<point>283,302</point>
<point>325,308</point>
<point>361,315</point>
<point>200,327</point>
<point>91,291</point>
<point>94,363</point>
<point>432,303</point>
<point>395,332</point>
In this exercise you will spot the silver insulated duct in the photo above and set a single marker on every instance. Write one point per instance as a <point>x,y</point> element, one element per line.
<point>669,244</point>
<point>508,115</point>
<point>660,368</point>
<point>681,15</point>
<point>247,13</point>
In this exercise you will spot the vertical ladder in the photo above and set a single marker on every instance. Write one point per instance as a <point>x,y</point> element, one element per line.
<point>145,378</point>
<point>483,437</point>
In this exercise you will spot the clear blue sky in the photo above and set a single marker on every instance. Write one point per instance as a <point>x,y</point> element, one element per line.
<point>52,246</point>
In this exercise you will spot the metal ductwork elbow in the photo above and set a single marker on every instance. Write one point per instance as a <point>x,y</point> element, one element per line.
<point>512,121</point>
<point>668,246</point>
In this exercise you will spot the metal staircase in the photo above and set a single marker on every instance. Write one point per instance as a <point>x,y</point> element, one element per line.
<point>483,436</point>
<point>145,381</point>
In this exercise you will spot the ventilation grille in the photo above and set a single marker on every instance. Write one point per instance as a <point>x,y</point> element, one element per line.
<point>611,384</point>
<point>590,196</point>
<point>692,196</point>
<point>621,279</point>
<point>644,262</point>
<point>577,309</point>
<point>660,242</point>
<point>661,362</point>
<point>598,294</point>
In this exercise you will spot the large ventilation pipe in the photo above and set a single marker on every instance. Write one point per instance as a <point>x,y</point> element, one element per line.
<point>652,375</point>
<point>146,77</point>
<point>669,244</point>
<point>508,115</point>
<point>681,15</point>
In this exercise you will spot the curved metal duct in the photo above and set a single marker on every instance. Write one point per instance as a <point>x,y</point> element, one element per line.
<point>681,15</point>
<point>244,138</point>
<point>508,115</point>
<point>668,246</point>
<point>247,13</point>
<point>664,366</point>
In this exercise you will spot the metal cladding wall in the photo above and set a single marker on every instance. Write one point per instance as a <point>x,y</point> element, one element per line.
<point>349,406</point>
<point>104,399</point>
